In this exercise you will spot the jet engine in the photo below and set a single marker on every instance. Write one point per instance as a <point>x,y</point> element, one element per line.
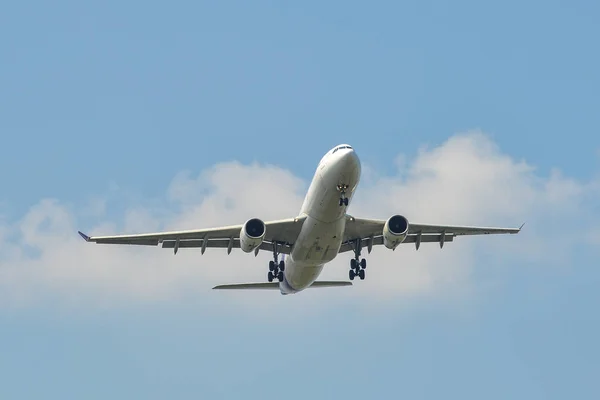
<point>395,231</point>
<point>252,234</point>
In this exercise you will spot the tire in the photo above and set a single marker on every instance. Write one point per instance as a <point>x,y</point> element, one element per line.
<point>351,274</point>
<point>361,274</point>
<point>363,263</point>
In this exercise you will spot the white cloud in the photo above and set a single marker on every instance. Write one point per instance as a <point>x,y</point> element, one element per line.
<point>466,180</point>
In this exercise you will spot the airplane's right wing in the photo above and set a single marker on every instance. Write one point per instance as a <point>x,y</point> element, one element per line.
<point>281,233</point>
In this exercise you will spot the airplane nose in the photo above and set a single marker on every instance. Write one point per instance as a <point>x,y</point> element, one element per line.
<point>349,157</point>
<point>343,166</point>
<point>350,166</point>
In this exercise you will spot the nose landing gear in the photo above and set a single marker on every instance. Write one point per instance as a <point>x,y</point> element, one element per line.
<point>343,199</point>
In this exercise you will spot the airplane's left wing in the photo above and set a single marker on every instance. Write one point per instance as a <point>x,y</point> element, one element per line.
<point>369,232</point>
<point>281,233</point>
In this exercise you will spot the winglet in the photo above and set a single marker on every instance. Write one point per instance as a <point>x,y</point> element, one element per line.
<point>521,227</point>
<point>84,236</point>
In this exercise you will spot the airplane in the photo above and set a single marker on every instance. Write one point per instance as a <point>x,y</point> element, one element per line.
<point>317,235</point>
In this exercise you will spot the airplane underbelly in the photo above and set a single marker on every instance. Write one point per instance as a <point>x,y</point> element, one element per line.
<point>301,276</point>
<point>319,242</point>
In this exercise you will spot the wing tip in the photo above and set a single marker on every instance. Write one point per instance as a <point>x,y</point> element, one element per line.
<point>84,236</point>
<point>521,227</point>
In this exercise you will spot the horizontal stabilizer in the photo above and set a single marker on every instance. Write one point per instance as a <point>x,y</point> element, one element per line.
<point>275,285</point>
<point>330,284</point>
<point>263,285</point>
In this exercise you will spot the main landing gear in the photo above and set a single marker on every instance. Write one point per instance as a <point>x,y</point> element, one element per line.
<point>357,266</point>
<point>276,268</point>
<point>343,199</point>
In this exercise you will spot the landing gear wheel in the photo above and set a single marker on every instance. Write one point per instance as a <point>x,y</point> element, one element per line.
<point>361,274</point>
<point>357,265</point>
<point>342,189</point>
<point>276,267</point>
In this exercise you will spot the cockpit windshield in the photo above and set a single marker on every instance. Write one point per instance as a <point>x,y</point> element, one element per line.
<point>341,147</point>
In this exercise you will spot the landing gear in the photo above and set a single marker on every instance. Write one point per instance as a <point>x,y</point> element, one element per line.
<point>343,199</point>
<point>276,267</point>
<point>357,265</point>
<point>354,273</point>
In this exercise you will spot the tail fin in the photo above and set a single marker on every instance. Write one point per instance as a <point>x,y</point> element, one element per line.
<point>275,285</point>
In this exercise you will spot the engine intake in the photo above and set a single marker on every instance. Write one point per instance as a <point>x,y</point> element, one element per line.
<point>252,234</point>
<point>395,231</point>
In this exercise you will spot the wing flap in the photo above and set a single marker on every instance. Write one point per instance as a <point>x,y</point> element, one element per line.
<point>222,244</point>
<point>378,241</point>
<point>458,230</point>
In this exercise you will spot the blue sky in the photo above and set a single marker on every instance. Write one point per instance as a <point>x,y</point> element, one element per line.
<point>140,116</point>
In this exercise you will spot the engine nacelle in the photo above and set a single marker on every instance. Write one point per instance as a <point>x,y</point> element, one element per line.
<point>252,234</point>
<point>395,231</point>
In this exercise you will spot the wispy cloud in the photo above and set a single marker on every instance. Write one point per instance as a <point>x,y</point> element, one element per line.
<point>466,180</point>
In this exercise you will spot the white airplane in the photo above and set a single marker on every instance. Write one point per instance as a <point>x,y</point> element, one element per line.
<point>320,232</point>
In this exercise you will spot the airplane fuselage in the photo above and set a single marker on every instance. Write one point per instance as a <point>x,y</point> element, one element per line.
<point>322,234</point>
